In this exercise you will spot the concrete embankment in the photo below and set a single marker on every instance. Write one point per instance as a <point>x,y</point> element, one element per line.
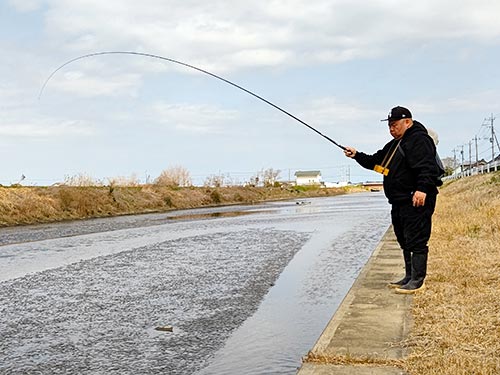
<point>365,336</point>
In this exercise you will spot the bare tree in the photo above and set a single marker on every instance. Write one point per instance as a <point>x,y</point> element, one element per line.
<point>175,176</point>
<point>81,179</point>
<point>255,179</point>
<point>215,180</point>
<point>270,176</point>
<point>133,180</point>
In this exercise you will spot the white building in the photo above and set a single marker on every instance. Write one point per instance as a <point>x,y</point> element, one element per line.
<point>335,184</point>
<point>308,178</point>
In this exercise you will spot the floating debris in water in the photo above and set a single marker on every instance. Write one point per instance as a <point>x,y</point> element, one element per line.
<point>165,328</point>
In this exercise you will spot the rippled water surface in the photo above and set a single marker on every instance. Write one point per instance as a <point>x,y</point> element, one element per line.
<point>247,289</point>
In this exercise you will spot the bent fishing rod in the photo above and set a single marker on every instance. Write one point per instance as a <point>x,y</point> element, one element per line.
<point>191,67</point>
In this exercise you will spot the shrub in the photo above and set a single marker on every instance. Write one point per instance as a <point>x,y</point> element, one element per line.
<point>216,196</point>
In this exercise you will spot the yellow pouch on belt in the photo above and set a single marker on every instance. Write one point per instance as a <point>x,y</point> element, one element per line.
<point>380,169</point>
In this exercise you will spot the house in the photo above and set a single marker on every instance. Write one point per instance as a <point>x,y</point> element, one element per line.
<point>468,165</point>
<point>308,178</point>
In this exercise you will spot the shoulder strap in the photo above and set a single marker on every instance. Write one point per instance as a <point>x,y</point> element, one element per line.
<point>387,158</point>
<point>400,149</point>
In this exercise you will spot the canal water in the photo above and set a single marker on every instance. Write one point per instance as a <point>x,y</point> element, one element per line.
<point>246,289</point>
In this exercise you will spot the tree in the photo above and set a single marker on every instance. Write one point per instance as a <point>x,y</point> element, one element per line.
<point>133,180</point>
<point>215,180</point>
<point>175,176</point>
<point>267,178</point>
<point>270,177</point>
<point>255,180</point>
<point>81,179</point>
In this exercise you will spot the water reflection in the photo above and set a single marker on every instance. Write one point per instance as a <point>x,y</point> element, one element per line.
<point>298,307</point>
<point>212,215</point>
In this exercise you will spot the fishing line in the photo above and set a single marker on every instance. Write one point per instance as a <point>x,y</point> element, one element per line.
<point>191,67</point>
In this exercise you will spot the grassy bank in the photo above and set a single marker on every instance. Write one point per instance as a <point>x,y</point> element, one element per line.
<point>28,205</point>
<point>457,319</point>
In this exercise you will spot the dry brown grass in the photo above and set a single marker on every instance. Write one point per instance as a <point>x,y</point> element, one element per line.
<point>28,205</point>
<point>457,320</point>
<point>350,360</point>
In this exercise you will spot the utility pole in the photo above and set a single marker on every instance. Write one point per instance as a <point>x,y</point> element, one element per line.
<point>477,156</point>
<point>462,158</point>
<point>470,154</point>
<point>454,159</point>
<point>492,139</point>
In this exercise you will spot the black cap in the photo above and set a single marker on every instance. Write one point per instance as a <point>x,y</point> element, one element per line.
<point>398,113</point>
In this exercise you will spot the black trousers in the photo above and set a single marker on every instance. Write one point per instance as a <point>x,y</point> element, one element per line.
<point>412,225</point>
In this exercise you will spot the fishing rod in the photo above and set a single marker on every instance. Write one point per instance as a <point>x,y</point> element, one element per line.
<point>191,67</point>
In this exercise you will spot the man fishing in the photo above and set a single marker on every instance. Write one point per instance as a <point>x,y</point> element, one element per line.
<point>411,176</point>
<point>408,164</point>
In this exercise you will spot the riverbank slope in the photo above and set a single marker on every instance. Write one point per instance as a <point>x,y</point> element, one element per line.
<point>454,324</point>
<point>32,205</point>
<point>457,319</point>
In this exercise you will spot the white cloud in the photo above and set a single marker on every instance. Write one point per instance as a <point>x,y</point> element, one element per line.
<point>329,110</point>
<point>95,84</point>
<point>472,101</point>
<point>26,5</point>
<point>267,33</point>
<point>11,97</point>
<point>260,57</point>
<point>199,119</point>
<point>46,128</point>
<point>20,118</point>
<point>337,118</point>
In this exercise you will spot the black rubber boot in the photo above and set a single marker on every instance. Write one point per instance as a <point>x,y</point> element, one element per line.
<point>407,278</point>
<point>418,273</point>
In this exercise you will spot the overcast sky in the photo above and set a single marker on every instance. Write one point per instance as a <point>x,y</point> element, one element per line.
<point>338,65</point>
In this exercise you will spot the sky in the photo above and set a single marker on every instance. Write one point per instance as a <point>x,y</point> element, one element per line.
<point>338,65</point>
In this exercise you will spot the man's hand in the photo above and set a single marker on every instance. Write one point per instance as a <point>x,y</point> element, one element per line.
<point>419,198</point>
<point>350,152</point>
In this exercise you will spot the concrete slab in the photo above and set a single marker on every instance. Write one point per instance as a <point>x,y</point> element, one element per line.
<point>325,369</point>
<point>372,320</point>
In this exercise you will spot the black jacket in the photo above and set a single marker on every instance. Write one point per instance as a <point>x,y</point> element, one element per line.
<point>412,168</point>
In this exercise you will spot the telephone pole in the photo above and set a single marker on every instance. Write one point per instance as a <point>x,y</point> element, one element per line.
<point>462,158</point>
<point>454,159</point>
<point>477,156</point>
<point>492,139</point>
<point>470,154</point>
